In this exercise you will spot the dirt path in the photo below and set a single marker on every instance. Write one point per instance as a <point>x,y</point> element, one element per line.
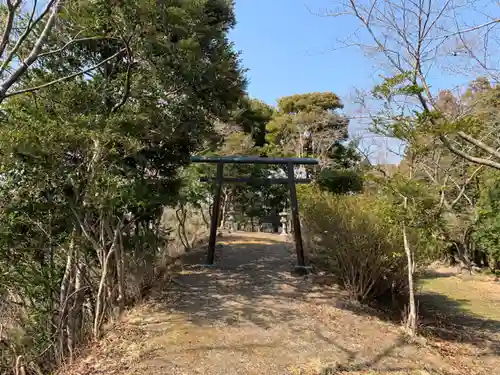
<point>251,316</point>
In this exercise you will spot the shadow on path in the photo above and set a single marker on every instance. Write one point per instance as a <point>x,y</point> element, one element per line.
<point>251,308</point>
<point>259,269</point>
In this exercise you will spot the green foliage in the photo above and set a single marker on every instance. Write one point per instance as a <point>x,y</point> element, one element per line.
<point>340,181</point>
<point>311,102</point>
<point>192,190</point>
<point>102,154</point>
<point>487,226</point>
<point>416,204</point>
<point>435,189</point>
<point>400,84</point>
<point>345,155</point>
<point>302,125</point>
<point>256,200</point>
<point>253,115</point>
<point>307,125</point>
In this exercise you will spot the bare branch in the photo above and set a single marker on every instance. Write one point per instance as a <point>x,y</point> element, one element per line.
<point>73,41</point>
<point>94,243</point>
<point>379,44</point>
<point>62,79</point>
<point>481,63</point>
<point>476,142</point>
<point>464,187</point>
<point>11,11</point>
<point>473,159</point>
<point>25,64</point>
<point>29,28</point>
<point>494,22</point>
<point>426,30</point>
<point>409,34</point>
<point>126,89</point>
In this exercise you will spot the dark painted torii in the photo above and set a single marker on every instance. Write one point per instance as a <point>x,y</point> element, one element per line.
<point>291,181</point>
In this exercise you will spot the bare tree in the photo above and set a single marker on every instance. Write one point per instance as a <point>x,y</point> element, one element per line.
<point>424,162</point>
<point>419,38</point>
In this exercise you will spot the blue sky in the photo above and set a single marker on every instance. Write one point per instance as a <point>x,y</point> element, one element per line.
<point>290,50</point>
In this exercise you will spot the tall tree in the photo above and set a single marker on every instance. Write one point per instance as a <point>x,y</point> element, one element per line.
<point>89,162</point>
<point>252,116</point>
<point>308,125</point>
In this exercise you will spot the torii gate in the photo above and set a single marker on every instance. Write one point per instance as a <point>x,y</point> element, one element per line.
<point>290,180</point>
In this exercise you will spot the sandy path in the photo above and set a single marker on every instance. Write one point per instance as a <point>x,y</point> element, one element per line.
<point>251,316</point>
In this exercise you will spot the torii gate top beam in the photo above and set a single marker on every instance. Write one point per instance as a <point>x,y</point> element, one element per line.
<point>252,160</point>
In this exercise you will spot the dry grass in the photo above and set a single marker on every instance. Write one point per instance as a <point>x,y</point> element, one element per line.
<point>477,294</point>
<point>463,309</point>
<point>251,316</point>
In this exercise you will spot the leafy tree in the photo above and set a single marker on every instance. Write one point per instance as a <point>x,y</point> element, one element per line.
<point>414,210</point>
<point>487,227</point>
<point>252,116</point>
<point>455,179</point>
<point>307,125</point>
<point>89,162</point>
<point>344,175</point>
<point>340,182</point>
<point>409,36</point>
<point>416,203</point>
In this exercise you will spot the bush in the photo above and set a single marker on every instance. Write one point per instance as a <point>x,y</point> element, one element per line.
<point>350,237</point>
<point>340,181</point>
<point>487,226</point>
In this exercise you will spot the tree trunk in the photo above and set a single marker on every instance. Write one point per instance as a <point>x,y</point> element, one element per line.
<point>463,256</point>
<point>223,208</point>
<point>71,303</point>
<point>102,298</point>
<point>65,291</point>
<point>204,216</point>
<point>411,322</point>
<point>120,273</point>
<point>181,214</point>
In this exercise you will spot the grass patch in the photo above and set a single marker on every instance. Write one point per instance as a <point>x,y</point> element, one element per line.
<point>477,295</point>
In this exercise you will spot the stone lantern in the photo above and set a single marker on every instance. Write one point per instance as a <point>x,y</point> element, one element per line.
<point>230,221</point>
<point>284,223</point>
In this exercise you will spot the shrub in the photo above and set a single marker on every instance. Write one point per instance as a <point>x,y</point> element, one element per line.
<point>487,226</point>
<point>340,181</point>
<point>349,237</point>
